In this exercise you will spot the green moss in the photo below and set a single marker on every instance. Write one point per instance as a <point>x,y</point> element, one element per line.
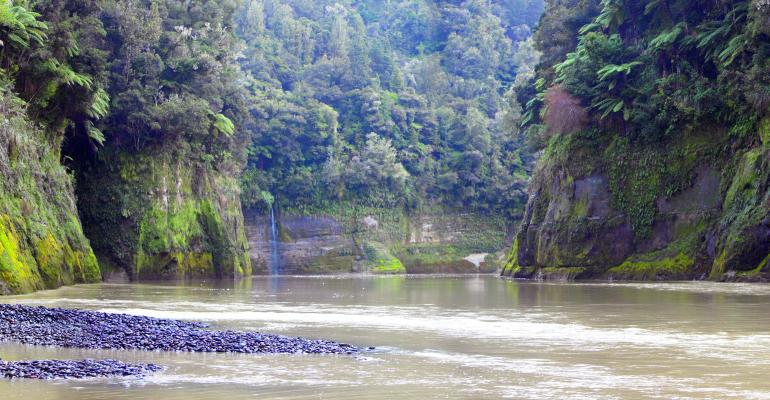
<point>764,131</point>
<point>764,266</point>
<point>380,261</point>
<point>561,273</point>
<point>41,241</point>
<point>579,209</point>
<point>743,183</point>
<point>17,268</point>
<point>388,266</point>
<point>49,255</point>
<point>177,218</point>
<point>512,266</point>
<point>667,268</point>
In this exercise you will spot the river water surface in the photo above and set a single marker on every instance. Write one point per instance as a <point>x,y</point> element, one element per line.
<point>436,337</point>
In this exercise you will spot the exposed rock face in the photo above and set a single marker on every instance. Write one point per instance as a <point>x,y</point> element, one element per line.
<point>717,225</point>
<point>308,244</point>
<point>42,245</point>
<point>376,241</point>
<point>161,215</point>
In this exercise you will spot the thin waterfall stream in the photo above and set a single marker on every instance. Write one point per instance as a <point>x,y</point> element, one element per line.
<point>275,256</point>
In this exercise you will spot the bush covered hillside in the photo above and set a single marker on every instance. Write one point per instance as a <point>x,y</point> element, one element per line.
<point>386,103</point>
<point>654,129</point>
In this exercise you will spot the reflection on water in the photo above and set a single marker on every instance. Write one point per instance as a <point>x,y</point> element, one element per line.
<point>437,337</point>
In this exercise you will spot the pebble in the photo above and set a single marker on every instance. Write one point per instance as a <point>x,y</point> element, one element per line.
<point>96,330</point>
<point>66,369</point>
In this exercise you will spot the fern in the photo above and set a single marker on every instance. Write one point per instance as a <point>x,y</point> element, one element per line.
<point>612,105</point>
<point>735,47</point>
<point>652,6</point>
<point>100,105</point>
<point>666,40</point>
<point>20,26</point>
<point>713,38</point>
<point>612,15</point>
<point>65,73</point>
<point>612,70</point>
<point>94,133</point>
<point>224,125</point>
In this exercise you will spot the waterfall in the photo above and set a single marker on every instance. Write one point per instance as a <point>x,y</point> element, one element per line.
<point>275,257</point>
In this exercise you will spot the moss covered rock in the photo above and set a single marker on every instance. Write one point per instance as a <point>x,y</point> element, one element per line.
<point>380,261</point>
<point>163,214</point>
<point>694,206</point>
<point>42,245</point>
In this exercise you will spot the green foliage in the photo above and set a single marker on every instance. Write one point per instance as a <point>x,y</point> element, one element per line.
<point>398,103</point>
<point>20,27</point>
<point>41,242</point>
<point>224,125</point>
<point>655,72</point>
<point>100,106</point>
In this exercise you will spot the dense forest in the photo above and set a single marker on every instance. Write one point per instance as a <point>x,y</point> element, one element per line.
<point>397,103</point>
<point>137,132</point>
<point>157,119</point>
<point>652,117</point>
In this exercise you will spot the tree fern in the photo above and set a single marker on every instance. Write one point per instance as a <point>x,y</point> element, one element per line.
<point>610,19</point>
<point>100,105</point>
<point>612,70</point>
<point>735,47</point>
<point>612,105</point>
<point>224,125</point>
<point>65,73</point>
<point>20,26</point>
<point>665,40</point>
<point>94,133</point>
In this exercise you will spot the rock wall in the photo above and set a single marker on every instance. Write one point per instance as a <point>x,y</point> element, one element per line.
<point>161,214</point>
<point>377,241</point>
<point>699,209</point>
<point>42,245</point>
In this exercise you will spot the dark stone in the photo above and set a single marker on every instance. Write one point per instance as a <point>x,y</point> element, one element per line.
<point>94,330</point>
<point>62,369</point>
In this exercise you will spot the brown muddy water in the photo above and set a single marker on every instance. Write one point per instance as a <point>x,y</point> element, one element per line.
<point>465,337</point>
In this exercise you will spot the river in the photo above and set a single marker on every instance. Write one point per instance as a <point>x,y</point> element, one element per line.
<point>436,337</point>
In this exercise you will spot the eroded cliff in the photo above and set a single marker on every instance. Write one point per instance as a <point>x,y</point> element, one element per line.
<point>42,245</point>
<point>695,207</point>
<point>355,239</point>
<point>160,214</point>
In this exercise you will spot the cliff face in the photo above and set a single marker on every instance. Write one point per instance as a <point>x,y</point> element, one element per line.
<point>161,214</point>
<point>605,214</point>
<point>378,241</point>
<point>42,245</point>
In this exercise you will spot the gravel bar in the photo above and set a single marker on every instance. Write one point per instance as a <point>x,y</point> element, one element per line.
<point>96,330</point>
<point>64,369</point>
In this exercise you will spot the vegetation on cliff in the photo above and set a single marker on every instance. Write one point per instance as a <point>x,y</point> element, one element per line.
<point>143,98</point>
<point>386,103</point>
<point>661,106</point>
<point>160,198</point>
<point>41,241</point>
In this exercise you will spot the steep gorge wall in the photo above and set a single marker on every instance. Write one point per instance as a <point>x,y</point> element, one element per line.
<point>161,214</point>
<point>42,245</point>
<point>378,241</point>
<point>608,215</point>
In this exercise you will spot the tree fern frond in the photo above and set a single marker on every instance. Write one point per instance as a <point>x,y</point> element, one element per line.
<point>100,105</point>
<point>224,125</point>
<point>94,133</point>
<point>666,39</point>
<point>65,73</point>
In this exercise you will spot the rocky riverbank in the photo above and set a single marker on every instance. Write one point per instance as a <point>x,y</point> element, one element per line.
<point>95,330</point>
<point>67,369</point>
